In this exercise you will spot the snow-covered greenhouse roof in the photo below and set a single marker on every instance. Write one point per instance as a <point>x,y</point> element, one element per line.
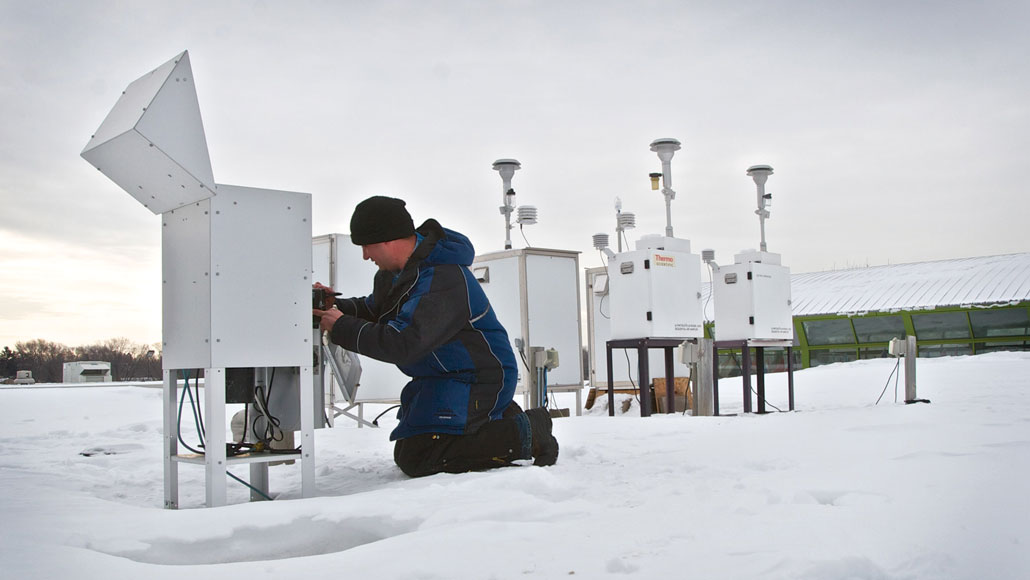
<point>984,281</point>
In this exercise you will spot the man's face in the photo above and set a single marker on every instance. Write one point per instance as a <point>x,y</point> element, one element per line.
<point>385,255</point>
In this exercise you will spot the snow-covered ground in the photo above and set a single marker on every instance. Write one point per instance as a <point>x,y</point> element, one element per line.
<point>839,489</point>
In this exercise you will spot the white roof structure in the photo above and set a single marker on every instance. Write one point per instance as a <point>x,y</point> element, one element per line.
<point>984,281</point>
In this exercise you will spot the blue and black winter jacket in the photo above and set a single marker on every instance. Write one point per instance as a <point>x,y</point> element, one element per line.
<point>435,323</point>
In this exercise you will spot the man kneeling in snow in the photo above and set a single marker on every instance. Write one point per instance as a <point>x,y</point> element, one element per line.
<point>428,315</point>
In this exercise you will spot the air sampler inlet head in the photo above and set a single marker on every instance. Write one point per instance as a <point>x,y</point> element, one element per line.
<point>507,168</point>
<point>760,173</point>
<point>665,148</point>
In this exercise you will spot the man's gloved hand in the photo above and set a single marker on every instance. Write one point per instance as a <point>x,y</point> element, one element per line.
<point>329,318</point>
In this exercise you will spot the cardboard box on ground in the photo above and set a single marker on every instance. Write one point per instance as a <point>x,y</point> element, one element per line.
<point>681,390</point>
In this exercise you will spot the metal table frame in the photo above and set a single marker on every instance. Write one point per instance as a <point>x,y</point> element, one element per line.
<point>745,347</point>
<point>642,345</point>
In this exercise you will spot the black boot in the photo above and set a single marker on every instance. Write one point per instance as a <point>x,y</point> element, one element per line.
<point>512,410</point>
<point>545,446</point>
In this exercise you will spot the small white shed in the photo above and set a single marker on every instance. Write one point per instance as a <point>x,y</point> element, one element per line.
<point>87,372</point>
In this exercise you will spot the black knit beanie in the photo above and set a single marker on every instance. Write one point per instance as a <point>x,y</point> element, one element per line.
<point>380,219</point>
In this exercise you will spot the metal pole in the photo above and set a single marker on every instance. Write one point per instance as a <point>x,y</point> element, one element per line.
<point>507,168</point>
<point>668,216</point>
<point>705,392</point>
<point>666,148</point>
<point>760,365</point>
<point>910,369</point>
<point>611,387</point>
<point>308,413</point>
<point>760,174</point>
<point>507,209</point>
<point>790,377</point>
<point>670,380</point>
<point>644,378</point>
<point>214,442</point>
<point>746,360</point>
<point>258,481</point>
<point>171,442</point>
<point>536,386</point>
<point>761,211</point>
<point>715,377</point>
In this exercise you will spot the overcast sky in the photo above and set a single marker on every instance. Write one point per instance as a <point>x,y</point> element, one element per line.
<point>898,130</point>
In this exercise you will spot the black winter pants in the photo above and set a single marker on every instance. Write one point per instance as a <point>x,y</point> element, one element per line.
<point>495,444</point>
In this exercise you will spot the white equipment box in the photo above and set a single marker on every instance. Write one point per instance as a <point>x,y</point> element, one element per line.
<point>655,290</point>
<point>535,293</point>
<point>236,272</point>
<point>237,280</point>
<point>599,331</point>
<point>752,299</point>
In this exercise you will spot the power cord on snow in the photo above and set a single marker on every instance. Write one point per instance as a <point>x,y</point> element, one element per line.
<point>766,401</point>
<point>388,409</point>
<point>896,366</point>
<point>629,374</point>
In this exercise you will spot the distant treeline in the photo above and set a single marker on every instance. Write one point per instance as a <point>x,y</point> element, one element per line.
<point>129,361</point>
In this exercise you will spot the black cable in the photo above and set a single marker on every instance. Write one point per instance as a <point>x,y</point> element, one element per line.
<point>246,422</point>
<point>766,401</point>
<point>263,397</point>
<point>235,447</point>
<point>525,362</point>
<point>629,373</point>
<point>888,383</point>
<point>523,232</point>
<point>197,411</point>
<point>178,425</point>
<point>267,434</point>
<point>711,290</point>
<point>254,489</point>
<point>388,409</point>
<point>200,414</point>
<point>896,377</point>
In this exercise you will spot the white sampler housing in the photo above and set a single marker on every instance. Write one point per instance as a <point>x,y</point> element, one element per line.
<point>655,290</point>
<point>236,273</point>
<point>599,331</point>
<point>535,293</point>
<point>87,372</point>
<point>752,298</point>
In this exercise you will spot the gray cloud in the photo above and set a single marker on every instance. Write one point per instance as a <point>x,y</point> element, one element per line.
<point>886,122</point>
